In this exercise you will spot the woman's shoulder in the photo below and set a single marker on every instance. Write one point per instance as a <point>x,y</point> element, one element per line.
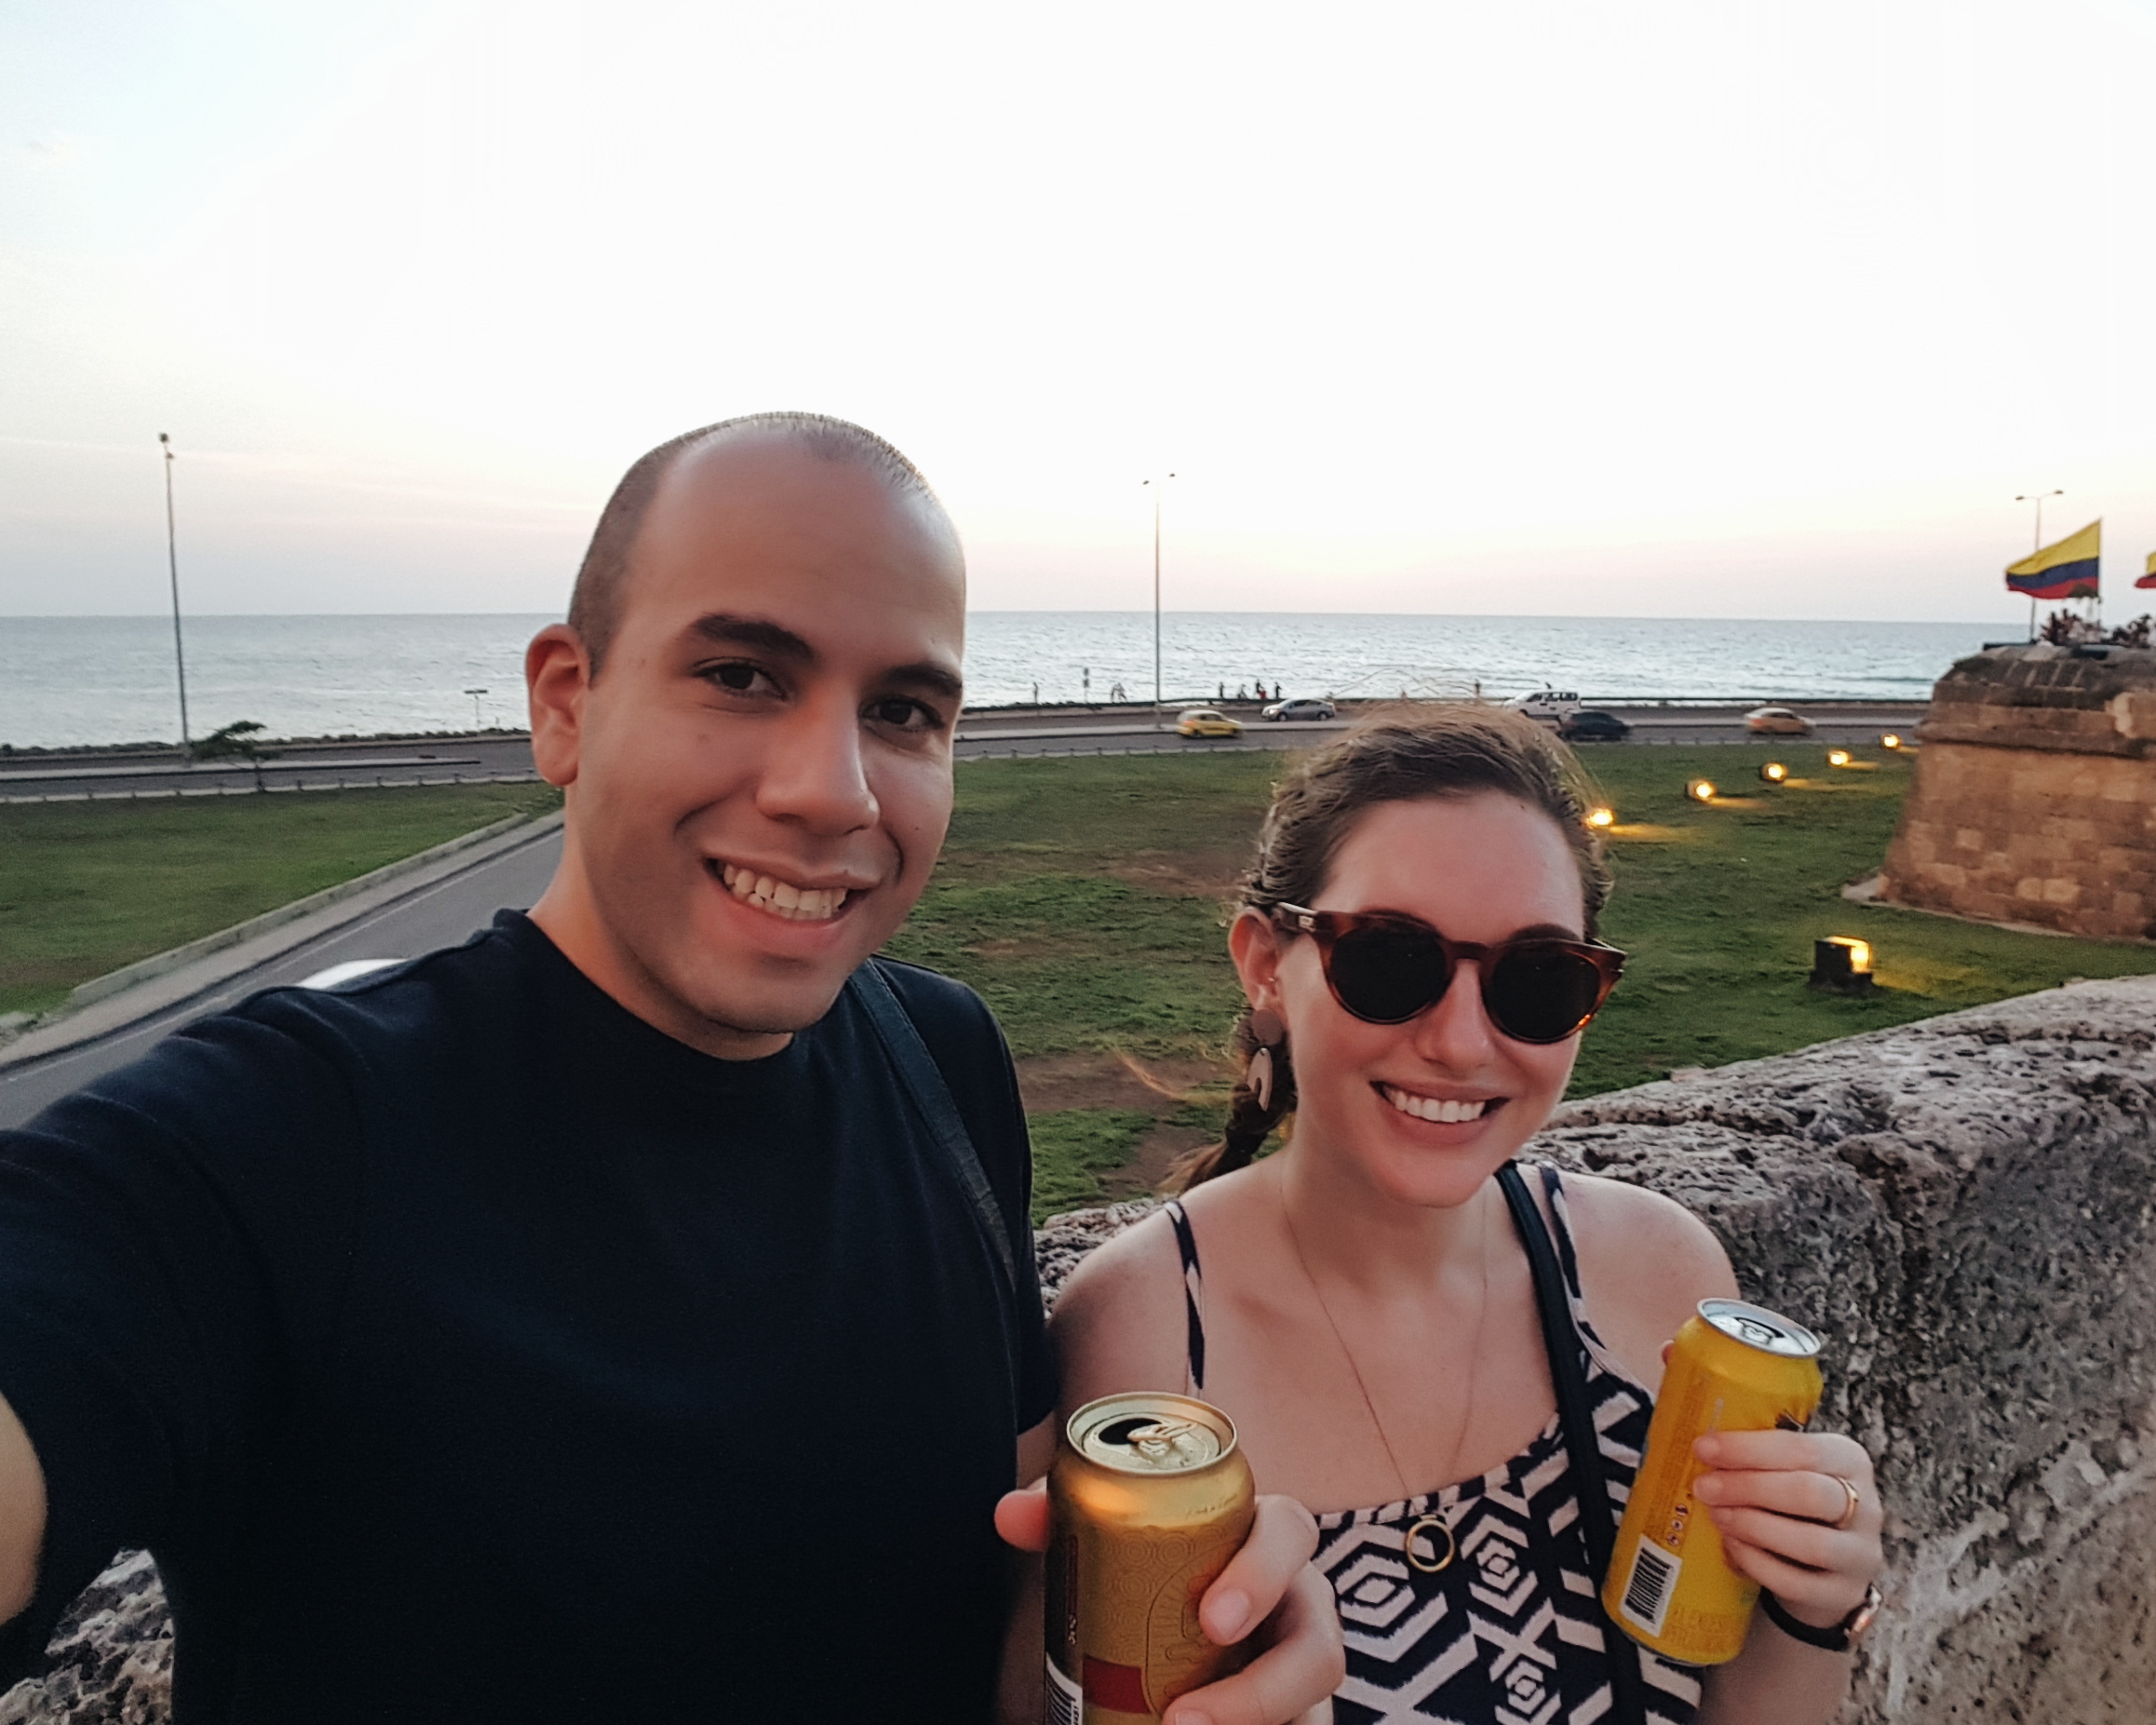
<point>1122,1321</point>
<point>1645,1263</point>
<point>1118,1322</point>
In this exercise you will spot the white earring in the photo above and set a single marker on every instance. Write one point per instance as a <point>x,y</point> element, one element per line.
<point>1267,1032</point>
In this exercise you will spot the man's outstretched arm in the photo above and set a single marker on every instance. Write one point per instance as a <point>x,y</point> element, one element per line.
<point>21,1514</point>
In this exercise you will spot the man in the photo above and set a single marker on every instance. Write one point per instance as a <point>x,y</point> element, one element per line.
<point>627,1315</point>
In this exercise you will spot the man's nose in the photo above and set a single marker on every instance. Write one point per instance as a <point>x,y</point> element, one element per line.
<point>1456,1033</point>
<point>816,777</point>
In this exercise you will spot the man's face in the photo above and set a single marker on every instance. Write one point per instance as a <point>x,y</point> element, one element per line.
<point>759,775</point>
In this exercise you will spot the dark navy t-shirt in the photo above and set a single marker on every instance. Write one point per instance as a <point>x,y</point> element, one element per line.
<point>465,1349</point>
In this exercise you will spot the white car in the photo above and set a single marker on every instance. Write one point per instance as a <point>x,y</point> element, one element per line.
<point>1545,703</point>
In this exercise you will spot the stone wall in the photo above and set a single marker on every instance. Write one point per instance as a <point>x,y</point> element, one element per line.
<point>2035,795</point>
<point>1966,1207</point>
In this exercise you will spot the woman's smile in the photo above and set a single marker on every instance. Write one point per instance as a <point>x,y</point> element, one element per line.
<point>1444,1110</point>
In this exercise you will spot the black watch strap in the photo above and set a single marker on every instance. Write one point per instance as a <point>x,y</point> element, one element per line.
<point>1835,1638</point>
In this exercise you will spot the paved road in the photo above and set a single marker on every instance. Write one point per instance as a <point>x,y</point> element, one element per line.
<point>438,915</point>
<point>437,760</point>
<point>441,761</point>
<point>1107,734</point>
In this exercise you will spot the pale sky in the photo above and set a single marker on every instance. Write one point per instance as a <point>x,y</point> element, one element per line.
<point>1737,308</point>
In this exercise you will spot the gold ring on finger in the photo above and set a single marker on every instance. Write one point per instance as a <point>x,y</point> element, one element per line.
<point>1847,1519</point>
<point>1431,1524</point>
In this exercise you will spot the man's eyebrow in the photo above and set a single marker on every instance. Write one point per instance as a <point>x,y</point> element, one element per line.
<point>937,679</point>
<point>724,629</point>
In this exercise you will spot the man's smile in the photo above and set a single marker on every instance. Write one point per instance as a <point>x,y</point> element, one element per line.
<point>786,900</point>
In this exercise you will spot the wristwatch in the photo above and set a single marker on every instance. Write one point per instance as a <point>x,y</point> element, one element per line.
<point>1835,1638</point>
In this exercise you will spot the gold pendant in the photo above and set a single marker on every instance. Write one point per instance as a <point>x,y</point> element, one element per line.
<point>1431,1524</point>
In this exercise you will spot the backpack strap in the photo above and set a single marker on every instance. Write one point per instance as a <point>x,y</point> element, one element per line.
<point>1575,1414</point>
<point>923,1080</point>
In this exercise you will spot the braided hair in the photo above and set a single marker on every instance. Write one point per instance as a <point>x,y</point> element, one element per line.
<point>1396,755</point>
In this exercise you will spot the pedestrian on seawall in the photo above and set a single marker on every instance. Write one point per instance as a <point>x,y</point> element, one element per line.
<point>630,1314</point>
<point>1416,940</point>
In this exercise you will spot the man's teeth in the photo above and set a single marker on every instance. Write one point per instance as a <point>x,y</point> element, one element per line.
<point>1434,1108</point>
<point>796,904</point>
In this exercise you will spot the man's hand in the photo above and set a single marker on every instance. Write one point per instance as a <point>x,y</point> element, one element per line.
<point>1269,1594</point>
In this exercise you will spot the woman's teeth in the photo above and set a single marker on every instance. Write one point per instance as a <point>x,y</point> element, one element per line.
<point>1434,1108</point>
<point>796,904</point>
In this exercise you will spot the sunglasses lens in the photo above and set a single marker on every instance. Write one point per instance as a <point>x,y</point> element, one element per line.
<point>1541,994</point>
<point>1388,973</point>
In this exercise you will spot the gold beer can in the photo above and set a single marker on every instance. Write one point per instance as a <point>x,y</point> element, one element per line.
<point>1150,1498</point>
<point>1734,1367</point>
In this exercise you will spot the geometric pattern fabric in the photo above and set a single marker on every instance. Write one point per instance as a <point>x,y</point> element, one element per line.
<point>1510,1632</point>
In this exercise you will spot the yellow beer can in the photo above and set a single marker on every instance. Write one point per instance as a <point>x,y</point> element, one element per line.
<point>1734,1367</point>
<point>1149,1499</point>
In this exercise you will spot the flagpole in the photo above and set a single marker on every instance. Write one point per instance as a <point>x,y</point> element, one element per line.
<point>2036,498</point>
<point>172,561</point>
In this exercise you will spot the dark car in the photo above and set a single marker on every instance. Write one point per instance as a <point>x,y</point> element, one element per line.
<point>1300,707</point>
<point>1592,725</point>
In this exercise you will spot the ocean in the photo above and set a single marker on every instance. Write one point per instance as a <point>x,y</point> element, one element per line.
<point>72,681</point>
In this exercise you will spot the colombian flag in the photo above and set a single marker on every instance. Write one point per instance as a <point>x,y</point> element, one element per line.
<point>2067,570</point>
<point>2149,580</point>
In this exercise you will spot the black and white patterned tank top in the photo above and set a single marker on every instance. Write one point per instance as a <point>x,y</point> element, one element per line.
<point>1509,1631</point>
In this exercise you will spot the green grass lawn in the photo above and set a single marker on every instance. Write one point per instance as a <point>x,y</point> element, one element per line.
<point>85,887</point>
<point>1084,899</point>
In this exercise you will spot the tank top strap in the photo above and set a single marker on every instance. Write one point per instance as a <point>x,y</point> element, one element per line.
<point>1194,1290</point>
<point>1597,1352</point>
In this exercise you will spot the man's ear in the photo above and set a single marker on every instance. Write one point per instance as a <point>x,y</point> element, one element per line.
<point>1253,943</point>
<point>557,679</point>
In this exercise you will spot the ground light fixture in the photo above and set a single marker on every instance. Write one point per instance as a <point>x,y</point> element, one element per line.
<point>1701,791</point>
<point>1838,756</point>
<point>1891,740</point>
<point>1599,817</point>
<point>1774,773</point>
<point>1841,964</point>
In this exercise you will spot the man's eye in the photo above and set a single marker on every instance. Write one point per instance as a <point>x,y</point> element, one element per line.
<point>904,715</point>
<point>739,679</point>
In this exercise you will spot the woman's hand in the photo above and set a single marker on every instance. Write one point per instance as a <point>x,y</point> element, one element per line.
<point>1777,1497</point>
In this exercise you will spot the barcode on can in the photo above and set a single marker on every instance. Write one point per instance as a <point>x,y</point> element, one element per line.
<point>1653,1580</point>
<point>1066,1703</point>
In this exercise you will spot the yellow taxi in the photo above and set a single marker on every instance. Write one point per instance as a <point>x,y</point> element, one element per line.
<point>1207,721</point>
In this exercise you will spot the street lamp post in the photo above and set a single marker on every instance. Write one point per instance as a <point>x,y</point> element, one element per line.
<point>1158,487</point>
<point>475,693</point>
<point>172,561</point>
<point>2036,498</point>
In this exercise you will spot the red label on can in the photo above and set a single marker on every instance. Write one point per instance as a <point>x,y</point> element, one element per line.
<point>1120,1687</point>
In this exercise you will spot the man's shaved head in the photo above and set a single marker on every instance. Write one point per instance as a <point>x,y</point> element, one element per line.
<point>595,602</point>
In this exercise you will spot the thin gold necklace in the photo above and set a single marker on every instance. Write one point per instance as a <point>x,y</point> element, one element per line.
<point>1432,1524</point>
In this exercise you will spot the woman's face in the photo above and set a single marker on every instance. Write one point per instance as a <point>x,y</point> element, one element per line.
<point>1484,868</point>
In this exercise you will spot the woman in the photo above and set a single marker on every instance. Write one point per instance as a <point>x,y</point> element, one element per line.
<point>1417,943</point>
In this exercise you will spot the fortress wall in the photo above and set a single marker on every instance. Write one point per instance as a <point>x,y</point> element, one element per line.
<point>2035,795</point>
<point>1966,1207</point>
